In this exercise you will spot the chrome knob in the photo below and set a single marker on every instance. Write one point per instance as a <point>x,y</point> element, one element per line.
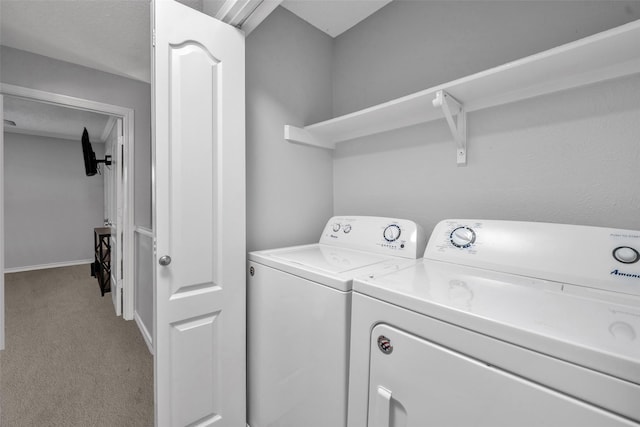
<point>164,260</point>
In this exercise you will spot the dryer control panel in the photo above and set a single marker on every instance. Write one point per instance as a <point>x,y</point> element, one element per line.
<point>389,236</point>
<point>590,257</point>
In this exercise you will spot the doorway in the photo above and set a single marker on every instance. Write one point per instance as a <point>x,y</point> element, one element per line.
<point>124,149</point>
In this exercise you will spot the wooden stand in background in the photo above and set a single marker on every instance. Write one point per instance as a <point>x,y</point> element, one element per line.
<point>101,267</point>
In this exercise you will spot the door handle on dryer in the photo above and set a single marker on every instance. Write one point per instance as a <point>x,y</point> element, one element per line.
<point>382,412</point>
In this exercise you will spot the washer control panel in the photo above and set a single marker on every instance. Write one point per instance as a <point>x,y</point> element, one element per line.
<point>392,236</point>
<point>592,257</point>
<point>462,237</point>
<point>392,233</point>
<point>626,254</point>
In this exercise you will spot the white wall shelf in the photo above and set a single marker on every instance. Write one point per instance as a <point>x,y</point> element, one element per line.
<point>611,54</point>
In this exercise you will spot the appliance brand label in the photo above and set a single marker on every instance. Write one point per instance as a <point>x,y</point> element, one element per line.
<point>617,272</point>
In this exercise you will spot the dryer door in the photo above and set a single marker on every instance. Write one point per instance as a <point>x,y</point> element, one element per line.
<point>415,383</point>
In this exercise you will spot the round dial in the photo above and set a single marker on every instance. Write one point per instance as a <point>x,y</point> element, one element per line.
<point>336,227</point>
<point>391,233</point>
<point>626,255</point>
<point>346,228</point>
<point>462,237</point>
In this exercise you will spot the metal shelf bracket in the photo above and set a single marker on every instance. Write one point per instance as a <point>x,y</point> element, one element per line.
<point>452,107</point>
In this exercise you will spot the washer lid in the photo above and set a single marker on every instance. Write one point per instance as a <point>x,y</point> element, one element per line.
<point>329,259</point>
<point>329,265</point>
<point>596,330</point>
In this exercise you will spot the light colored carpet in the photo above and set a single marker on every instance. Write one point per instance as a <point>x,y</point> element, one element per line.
<point>68,360</point>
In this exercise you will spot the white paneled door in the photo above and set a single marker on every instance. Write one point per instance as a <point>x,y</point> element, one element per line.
<point>114,207</point>
<point>199,218</point>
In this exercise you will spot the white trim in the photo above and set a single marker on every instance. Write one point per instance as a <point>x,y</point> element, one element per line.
<point>2,302</point>
<point>68,101</point>
<point>259,14</point>
<point>145,333</point>
<point>107,129</point>
<point>48,134</point>
<point>127,116</point>
<point>147,232</point>
<point>45,266</point>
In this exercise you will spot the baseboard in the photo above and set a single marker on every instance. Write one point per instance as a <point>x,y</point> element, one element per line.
<point>51,265</point>
<point>145,333</point>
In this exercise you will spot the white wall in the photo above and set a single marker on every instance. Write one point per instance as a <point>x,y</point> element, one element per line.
<point>39,72</point>
<point>569,157</point>
<point>289,187</point>
<point>51,206</point>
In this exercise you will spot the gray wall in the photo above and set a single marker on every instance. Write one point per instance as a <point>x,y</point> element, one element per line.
<point>410,45</point>
<point>39,72</point>
<point>569,157</point>
<point>289,187</point>
<point>51,207</point>
<point>144,283</point>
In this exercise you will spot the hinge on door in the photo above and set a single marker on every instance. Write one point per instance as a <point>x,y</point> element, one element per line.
<point>153,38</point>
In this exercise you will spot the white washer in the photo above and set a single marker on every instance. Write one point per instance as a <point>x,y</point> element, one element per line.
<point>501,324</point>
<point>299,305</point>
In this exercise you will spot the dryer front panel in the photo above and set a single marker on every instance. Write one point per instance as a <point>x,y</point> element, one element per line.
<point>414,382</point>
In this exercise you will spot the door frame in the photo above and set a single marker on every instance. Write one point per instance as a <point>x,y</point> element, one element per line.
<point>127,116</point>
<point>2,319</point>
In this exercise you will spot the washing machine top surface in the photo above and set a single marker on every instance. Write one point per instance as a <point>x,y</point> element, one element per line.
<point>329,259</point>
<point>349,247</point>
<point>565,291</point>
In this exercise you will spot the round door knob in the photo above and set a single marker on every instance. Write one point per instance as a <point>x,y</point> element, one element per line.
<point>164,260</point>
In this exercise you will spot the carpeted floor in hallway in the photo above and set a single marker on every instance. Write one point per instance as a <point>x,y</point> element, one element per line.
<point>68,360</point>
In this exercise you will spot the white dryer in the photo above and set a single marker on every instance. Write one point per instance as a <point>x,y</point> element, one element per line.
<point>501,324</point>
<point>298,313</point>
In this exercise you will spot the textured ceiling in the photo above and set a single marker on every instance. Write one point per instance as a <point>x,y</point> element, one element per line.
<point>53,121</point>
<point>114,36</point>
<point>108,35</point>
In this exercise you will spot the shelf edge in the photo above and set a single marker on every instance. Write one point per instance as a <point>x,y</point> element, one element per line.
<point>302,136</point>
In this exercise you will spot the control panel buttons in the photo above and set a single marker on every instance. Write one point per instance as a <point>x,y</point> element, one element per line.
<point>462,237</point>
<point>391,233</point>
<point>346,228</point>
<point>336,227</point>
<point>626,255</point>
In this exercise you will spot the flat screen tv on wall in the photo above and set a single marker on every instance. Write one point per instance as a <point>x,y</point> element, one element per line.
<point>90,161</point>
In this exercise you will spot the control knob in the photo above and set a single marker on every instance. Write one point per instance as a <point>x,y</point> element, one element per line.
<point>391,233</point>
<point>462,237</point>
<point>336,227</point>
